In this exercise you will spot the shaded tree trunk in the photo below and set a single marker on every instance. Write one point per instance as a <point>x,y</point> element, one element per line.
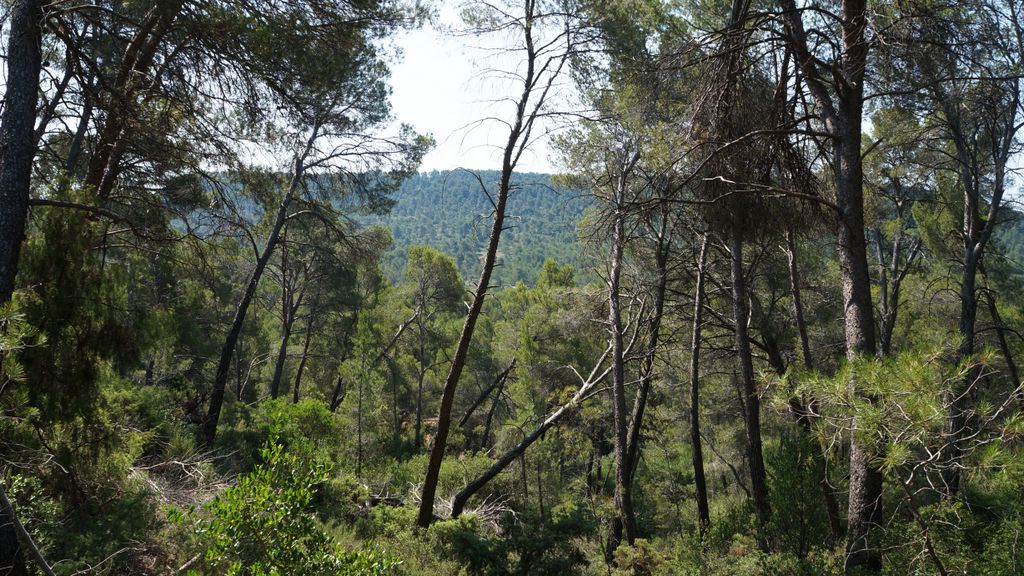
<point>647,370</point>
<point>17,125</point>
<point>699,481</point>
<point>17,149</point>
<point>305,354</point>
<point>224,365</point>
<point>841,113</point>
<point>802,413</point>
<point>751,400</point>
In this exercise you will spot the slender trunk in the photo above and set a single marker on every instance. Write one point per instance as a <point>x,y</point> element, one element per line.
<point>136,68</point>
<point>338,396</point>
<point>421,373</point>
<point>359,428</point>
<point>305,355</point>
<point>520,128</point>
<point>17,125</point>
<point>801,412</point>
<point>959,403</point>
<point>221,376</point>
<point>498,382</point>
<point>288,321</point>
<point>699,481</point>
<point>647,370</point>
<point>751,401</point>
<point>1004,346</point>
<point>623,492</point>
<point>485,439</point>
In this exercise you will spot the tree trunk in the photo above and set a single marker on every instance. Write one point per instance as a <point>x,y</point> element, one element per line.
<point>420,374</point>
<point>305,354</point>
<point>24,62</point>
<point>751,401</point>
<point>520,128</point>
<point>647,370</point>
<point>1004,346</point>
<point>865,500</point>
<point>287,322</point>
<point>959,403</point>
<point>801,412</point>
<point>700,484</point>
<point>841,113</point>
<point>221,376</point>
<point>623,492</point>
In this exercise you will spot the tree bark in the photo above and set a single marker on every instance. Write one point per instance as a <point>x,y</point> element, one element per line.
<point>17,125</point>
<point>305,354</point>
<point>17,149</point>
<point>841,116</point>
<point>699,481</point>
<point>647,370</point>
<point>751,400</point>
<point>288,312</point>
<point>517,139</point>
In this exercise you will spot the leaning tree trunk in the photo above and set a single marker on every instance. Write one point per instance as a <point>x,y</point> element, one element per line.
<point>518,138</point>
<point>647,370</point>
<point>221,376</point>
<point>699,481</point>
<point>751,401</point>
<point>24,61</point>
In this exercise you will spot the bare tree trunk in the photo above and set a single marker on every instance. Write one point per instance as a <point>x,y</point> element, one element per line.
<point>751,401</point>
<point>338,396</point>
<point>224,366</point>
<point>518,138</point>
<point>305,354</point>
<point>498,382</point>
<point>289,309</point>
<point>647,370</point>
<point>1004,345</point>
<point>802,413</point>
<point>699,481</point>
<point>420,375</point>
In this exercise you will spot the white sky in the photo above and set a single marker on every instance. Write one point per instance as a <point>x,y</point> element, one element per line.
<point>441,87</point>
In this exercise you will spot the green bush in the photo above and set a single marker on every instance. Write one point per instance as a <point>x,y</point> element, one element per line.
<point>265,525</point>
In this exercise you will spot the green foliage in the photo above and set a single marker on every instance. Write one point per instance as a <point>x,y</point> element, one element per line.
<point>449,212</point>
<point>264,525</point>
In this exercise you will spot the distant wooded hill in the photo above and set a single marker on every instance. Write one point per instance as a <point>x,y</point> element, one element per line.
<point>449,211</point>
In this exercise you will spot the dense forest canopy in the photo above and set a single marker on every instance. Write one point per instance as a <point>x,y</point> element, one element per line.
<point>445,210</point>
<point>765,319</point>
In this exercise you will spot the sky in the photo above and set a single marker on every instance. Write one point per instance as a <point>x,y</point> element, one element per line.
<point>442,86</point>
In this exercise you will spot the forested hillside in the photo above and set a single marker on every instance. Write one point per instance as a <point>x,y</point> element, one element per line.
<point>768,322</point>
<point>450,211</point>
